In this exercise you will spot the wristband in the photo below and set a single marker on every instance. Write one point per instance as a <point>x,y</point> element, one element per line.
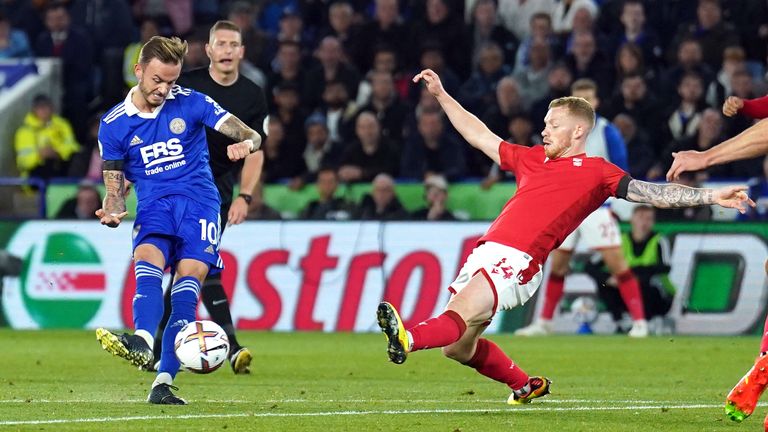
<point>250,145</point>
<point>247,198</point>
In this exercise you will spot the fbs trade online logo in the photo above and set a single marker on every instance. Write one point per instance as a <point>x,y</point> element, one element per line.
<point>62,281</point>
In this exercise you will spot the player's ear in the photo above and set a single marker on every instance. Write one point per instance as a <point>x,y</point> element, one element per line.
<point>138,71</point>
<point>577,131</point>
<point>208,51</point>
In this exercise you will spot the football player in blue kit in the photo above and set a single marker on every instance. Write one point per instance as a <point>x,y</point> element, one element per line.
<point>155,138</point>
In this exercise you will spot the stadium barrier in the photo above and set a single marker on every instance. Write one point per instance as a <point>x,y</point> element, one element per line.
<point>467,200</point>
<point>307,276</point>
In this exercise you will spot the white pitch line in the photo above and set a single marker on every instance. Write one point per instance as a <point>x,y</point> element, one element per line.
<point>372,401</point>
<point>352,413</point>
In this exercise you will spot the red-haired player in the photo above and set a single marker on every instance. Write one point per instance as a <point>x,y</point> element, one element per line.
<point>558,186</point>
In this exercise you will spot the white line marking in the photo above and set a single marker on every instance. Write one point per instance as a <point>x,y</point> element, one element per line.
<point>353,413</point>
<point>373,401</point>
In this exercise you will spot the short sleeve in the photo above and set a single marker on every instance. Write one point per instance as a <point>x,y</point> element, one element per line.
<point>509,155</point>
<point>615,180</point>
<point>109,147</point>
<point>209,111</point>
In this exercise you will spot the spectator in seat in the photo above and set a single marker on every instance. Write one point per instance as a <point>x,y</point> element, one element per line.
<point>83,205</point>
<point>13,43</point>
<point>327,206</point>
<point>640,152</point>
<point>147,29</point>
<point>369,155</point>
<point>432,150</point>
<point>75,49</point>
<point>382,203</point>
<point>436,196</point>
<point>386,104</point>
<point>45,142</point>
<point>258,209</point>
<point>320,150</point>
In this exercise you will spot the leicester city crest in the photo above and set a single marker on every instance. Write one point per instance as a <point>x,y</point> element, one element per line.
<point>177,126</point>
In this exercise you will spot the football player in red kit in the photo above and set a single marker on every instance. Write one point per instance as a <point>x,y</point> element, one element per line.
<point>558,186</point>
<point>742,399</point>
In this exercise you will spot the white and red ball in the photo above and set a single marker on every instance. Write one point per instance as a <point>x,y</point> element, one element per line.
<point>201,346</point>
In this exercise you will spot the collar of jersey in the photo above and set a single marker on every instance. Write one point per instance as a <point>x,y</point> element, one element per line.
<point>130,108</point>
<point>580,155</point>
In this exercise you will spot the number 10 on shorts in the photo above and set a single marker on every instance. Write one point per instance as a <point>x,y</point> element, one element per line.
<point>209,231</point>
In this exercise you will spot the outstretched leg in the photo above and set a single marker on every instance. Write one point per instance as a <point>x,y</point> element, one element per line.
<point>489,360</point>
<point>473,305</point>
<point>147,308</point>
<point>742,399</point>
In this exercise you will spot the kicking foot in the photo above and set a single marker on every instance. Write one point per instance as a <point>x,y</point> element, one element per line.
<point>537,387</point>
<point>130,347</point>
<point>392,327</point>
<point>742,399</point>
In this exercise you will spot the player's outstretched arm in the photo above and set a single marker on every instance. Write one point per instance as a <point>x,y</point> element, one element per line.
<point>475,132</point>
<point>672,195</point>
<point>750,143</point>
<point>248,140</point>
<point>113,208</point>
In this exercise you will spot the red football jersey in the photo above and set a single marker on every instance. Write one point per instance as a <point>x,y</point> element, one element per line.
<point>552,198</point>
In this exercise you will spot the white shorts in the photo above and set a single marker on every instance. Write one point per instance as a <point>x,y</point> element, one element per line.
<point>513,276</point>
<point>598,231</point>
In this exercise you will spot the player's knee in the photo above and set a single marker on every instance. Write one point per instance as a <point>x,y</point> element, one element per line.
<point>459,353</point>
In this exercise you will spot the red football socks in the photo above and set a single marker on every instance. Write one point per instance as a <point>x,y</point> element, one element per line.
<point>764,341</point>
<point>552,296</point>
<point>440,331</point>
<point>629,289</point>
<point>490,360</point>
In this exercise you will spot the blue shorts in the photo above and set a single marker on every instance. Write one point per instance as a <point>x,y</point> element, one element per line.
<point>181,228</point>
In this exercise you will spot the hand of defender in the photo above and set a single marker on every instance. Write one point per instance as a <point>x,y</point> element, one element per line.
<point>688,160</point>
<point>111,220</point>
<point>432,81</point>
<point>239,150</point>
<point>732,105</point>
<point>733,197</point>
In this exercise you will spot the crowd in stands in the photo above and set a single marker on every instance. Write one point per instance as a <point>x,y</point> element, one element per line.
<point>337,74</point>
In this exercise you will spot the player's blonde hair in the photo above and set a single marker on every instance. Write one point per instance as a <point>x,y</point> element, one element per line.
<point>167,50</point>
<point>576,106</point>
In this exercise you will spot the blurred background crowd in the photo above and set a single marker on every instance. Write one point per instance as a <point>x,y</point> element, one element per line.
<point>337,75</point>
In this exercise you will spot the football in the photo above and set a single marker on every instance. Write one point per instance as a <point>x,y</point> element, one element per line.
<point>201,346</point>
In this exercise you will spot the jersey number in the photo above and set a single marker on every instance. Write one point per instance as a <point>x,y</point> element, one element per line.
<point>209,231</point>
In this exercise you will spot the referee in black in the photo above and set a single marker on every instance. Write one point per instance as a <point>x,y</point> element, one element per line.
<point>240,96</point>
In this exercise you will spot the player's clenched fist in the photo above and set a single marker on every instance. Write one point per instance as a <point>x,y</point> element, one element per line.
<point>732,105</point>
<point>432,81</point>
<point>239,150</point>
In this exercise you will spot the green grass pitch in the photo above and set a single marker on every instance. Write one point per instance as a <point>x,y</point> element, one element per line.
<point>63,381</point>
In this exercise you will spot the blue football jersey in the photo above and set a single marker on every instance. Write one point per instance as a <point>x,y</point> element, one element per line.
<point>164,152</point>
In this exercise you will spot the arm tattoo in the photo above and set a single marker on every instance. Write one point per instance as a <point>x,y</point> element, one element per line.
<point>114,183</point>
<point>234,128</point>
<point>668,195</point>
